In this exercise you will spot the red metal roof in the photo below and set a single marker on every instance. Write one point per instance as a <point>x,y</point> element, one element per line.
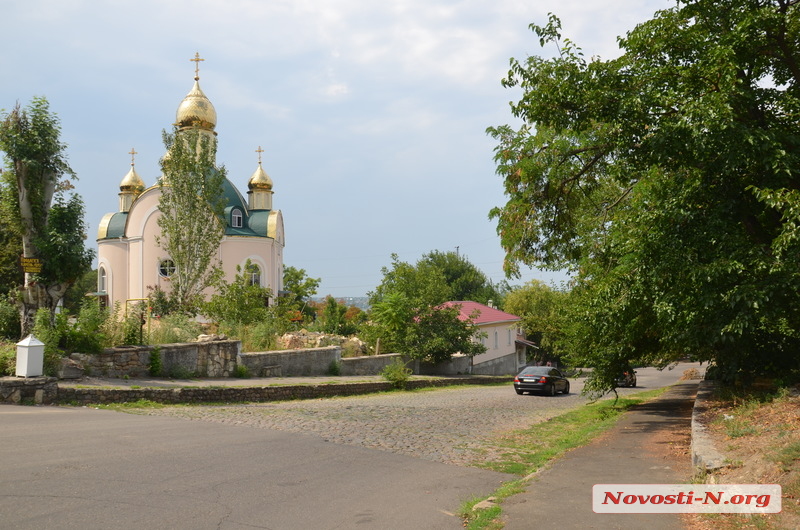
<point>486,314</point>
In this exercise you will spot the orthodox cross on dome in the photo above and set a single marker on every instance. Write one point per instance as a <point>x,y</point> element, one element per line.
<point>196,62</point>
<point>259,151</point>
<point>133,154</point>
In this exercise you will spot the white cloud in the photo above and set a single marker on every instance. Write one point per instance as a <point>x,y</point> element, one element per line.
<point>371,113</point>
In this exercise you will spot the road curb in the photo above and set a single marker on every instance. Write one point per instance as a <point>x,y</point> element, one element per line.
<point>705,455</point>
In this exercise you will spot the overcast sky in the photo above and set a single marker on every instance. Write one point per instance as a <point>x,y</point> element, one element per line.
<point>372,115</point>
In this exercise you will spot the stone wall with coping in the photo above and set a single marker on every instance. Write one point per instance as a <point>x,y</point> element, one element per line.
<point>368,365</point>
<point>36,390</point>
<point>206,394</point>
<point>202,359</point>
<point>292,363</point>
<point>220,358</point>
<point>458,364</point>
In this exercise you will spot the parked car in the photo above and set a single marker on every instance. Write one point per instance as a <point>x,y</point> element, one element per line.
<point>627,378</point>
<point>543,379</point>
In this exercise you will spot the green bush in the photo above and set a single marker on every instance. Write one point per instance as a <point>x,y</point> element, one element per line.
<point>133,325</point>
<point>397,373</point>
<point>154,367</point>
<point>241,371</point>
<point>9,318</point>
<point>87,336</point>
<point>255,337</point>
<point>335,368</point>
<point>174,328</point>
<point>8,358</point>
<point>54,335</point>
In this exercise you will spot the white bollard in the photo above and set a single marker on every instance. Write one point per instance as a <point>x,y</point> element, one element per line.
<point>30,357</point>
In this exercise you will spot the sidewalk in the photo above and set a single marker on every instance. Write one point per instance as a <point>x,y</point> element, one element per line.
<point>640,449</point>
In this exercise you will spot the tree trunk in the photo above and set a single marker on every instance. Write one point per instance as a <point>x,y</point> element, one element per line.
<point>35,295</point>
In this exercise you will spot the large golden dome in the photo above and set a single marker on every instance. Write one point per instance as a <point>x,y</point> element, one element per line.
<point>196,110</point>
<point>132,182</point>
<point>260,180</point>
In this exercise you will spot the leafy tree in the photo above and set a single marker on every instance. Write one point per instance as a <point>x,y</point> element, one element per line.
<point>542,310</point>
<point>191,206</point>
<point>299,288</point>
<point>75,296</point>
<point>668,180</point>
<point>466,281</point>
<point>406,312</point>
<point>10,238</point>
<point>438,333</point>
<point>333,317</point>
<point>50,223</point>
<point>240,302</point>
<point>423,284</point>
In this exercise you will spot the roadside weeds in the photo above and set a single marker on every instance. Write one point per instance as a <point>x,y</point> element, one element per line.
<point>759,433</point>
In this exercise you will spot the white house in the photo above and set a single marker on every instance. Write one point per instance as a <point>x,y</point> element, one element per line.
<point>505,343</point>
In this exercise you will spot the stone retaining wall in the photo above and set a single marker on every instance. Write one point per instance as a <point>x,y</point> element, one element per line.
<point>36,390</point>
<point>293,363</point>
<point>369,365</point>
<point>201,359</point>
<point>85,396</point>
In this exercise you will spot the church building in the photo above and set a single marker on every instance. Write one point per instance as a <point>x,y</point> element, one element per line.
<point>131,263</point>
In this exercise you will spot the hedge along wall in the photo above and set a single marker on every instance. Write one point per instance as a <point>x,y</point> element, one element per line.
<point>202,359</point>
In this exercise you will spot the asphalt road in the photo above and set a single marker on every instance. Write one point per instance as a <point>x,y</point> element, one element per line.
<point>285,465</point>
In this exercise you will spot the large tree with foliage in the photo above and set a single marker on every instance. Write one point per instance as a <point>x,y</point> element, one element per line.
<point>436,278</point>
<point>298,289</point>
<point>47,219</point>
<point>191,206</point>
<point>465,280</point>
<point>407,316</point>
<point>668,180</point>
<point>542,310</point>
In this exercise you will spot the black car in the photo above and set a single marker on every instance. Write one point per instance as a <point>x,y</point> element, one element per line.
<point>627,378</point>
<point>544,379</point>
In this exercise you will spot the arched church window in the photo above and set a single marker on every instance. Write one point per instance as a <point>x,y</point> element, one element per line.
<point>254,274</point>
<point>166,268</point>
<point>236,218</point>
<point>101,280</point>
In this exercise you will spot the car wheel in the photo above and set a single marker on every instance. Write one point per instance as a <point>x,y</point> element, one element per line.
<point>566,388</point>
<point>520,392</point>
<point>551,390</point>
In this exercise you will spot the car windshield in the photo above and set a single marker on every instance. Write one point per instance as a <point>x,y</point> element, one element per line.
<point>536,370</point>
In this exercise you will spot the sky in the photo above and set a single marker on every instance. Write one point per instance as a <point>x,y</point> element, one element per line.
<point>372,115</point>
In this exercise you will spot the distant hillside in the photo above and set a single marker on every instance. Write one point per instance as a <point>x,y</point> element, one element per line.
<point>362,302</point>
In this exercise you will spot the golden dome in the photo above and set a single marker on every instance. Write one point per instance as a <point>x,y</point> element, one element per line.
<point>260,180</point>
<point>196,110</point>
<point>132,182</point>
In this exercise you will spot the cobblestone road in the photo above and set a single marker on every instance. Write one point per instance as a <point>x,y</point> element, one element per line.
<point>449,425</point>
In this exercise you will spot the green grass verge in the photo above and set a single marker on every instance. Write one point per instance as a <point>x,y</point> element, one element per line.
<point>130,406</point>
<point>525,451</point>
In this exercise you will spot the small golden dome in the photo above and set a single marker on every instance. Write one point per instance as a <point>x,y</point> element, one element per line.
<point>196,110</point>
<point>260,180</point>
<point>132,182</point>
